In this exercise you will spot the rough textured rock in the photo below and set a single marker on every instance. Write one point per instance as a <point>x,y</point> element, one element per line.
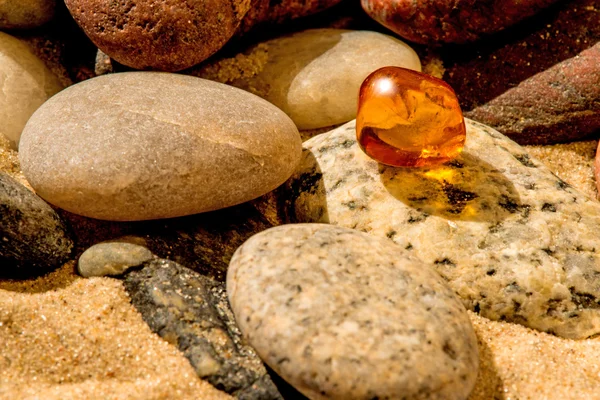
<point>314,75</point>
<point>114,257</point>
<point>168,35</point>
<point>557,105</point>
<point>25,82</point>
<point>171,35</point>
<point>450,21</point>
<point>554,35</point>
<point>515,242</point>
<point>268,12</point>
<point>137,146</point>
<point>341,314</point>
<point>33,238</point>
<point>191,312</point>
<point>25,14</point>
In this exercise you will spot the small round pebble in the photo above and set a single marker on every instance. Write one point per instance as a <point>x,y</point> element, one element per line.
<point>112,258</point>
<point>33,238</point>
<point>340,314</point>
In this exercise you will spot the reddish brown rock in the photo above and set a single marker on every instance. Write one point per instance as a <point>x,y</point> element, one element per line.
<point>450,21</point>
<point>557,105</point>
<point>548,38</point>
<point>172,35</point>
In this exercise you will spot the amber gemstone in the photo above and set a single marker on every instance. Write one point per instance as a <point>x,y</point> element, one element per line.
<point>409,119</point>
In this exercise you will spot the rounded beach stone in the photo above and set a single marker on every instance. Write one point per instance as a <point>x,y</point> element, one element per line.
<point>341,314</point>
<point>450,21</point>
<point>168,35</point>
<point>147,145</point>
<point>33,238</point>
<point>114,257</point>
<point>314,76</point>
<point>24,14</point>
<point>25,84</point>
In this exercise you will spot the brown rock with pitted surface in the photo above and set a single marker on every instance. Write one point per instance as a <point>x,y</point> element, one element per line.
<point>172,35</point>
<point>450,21</point>
<point>557,105</point>
<point>159,34</point>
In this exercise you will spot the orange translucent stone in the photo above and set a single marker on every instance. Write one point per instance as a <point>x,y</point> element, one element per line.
<point>409,119</point>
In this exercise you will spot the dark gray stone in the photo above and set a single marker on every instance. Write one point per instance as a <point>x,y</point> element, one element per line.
<point>33,238</point>
<point>191,311</point>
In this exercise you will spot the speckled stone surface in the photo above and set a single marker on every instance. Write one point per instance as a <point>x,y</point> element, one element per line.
<point>191,311</point>
<point>340,314</point>
<point>33,238</point>
<point>147,145</point>
<point>113,257</point>
<point>515,242</point>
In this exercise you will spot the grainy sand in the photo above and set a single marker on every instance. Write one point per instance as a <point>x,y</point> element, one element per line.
<point>64,337</point>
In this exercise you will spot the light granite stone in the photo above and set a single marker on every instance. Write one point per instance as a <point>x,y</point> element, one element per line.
<point>147,145</point>
<point>314,75</point>
<point>113,257</point>
<point>25,14</point>
<point>340,314</point>
<point>515,242</point>
<point>25,84</point>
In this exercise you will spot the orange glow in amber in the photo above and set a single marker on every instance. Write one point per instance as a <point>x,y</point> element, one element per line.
<point>409,119</point>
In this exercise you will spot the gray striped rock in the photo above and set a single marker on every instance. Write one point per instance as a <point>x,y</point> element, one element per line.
<point>515,242</point>
<point>33,238</point>
<point>340,314</point>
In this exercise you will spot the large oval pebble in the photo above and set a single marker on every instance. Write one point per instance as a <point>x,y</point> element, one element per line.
<point>141,145</point>
<point>340,314</point>
<point>314,75</point>
<point>25,84</point>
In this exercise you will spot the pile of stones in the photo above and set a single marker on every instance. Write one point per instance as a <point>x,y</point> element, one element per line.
<point>349,279</point>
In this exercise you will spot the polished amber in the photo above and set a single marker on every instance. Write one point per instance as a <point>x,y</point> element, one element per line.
<point>409,119</point>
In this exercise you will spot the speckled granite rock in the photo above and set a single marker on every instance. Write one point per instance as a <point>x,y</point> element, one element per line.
<point>451,21</point>
<point>558,105</point>
<point>191,312</point>
<point>25,84</point>
<point>341,314</point>
<point>25,14</point>
<point>146,145</point>
<point>114,257</point>
<point>314,75</point>
<point>33,238</point>
<point>515,242</point>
